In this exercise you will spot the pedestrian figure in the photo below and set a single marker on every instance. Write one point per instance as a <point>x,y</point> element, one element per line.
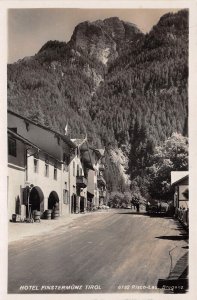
<point>147,206</point>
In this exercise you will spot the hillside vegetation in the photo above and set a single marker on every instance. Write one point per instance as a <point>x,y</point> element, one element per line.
<point>126,89</point>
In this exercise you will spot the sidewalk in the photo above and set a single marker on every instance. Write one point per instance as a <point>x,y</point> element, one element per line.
<point>19,231</point>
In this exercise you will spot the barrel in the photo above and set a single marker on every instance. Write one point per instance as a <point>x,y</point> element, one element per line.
<point>48,214</point>
<point>55,214</point>
<point>36,215</point>
<point>14,218</point>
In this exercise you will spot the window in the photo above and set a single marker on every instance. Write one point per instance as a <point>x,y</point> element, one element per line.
<point>65,168</point>
<point>65,196</point>
<point>46,172</point>
<point>35,165</point>
<point>12,147</point>
<point>14,129</point>
<point>73,168</point>
<point>77,170</point>
<point>55,172</point>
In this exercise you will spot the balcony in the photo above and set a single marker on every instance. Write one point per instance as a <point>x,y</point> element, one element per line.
<point>101,167</point>
<point>101,181</point>
<point>81,181</point>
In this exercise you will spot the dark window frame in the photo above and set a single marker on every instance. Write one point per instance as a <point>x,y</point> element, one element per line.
<point>55,173</point>
<point>12,147</point>
<point>36,166</point>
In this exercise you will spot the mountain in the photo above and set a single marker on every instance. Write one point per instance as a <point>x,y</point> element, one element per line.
<point>103,40</point>
<point>111,81</point>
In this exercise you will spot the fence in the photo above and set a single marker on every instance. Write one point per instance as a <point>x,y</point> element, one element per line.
<point>183,216</point>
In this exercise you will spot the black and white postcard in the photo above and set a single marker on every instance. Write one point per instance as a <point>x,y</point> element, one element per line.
<point>98,106</point>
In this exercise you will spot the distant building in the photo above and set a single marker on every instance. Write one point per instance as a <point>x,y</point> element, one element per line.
<point>80,165</point>
<point>180,181</point>
<point>96,181</point>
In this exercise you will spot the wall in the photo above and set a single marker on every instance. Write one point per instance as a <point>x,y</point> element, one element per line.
<point>96,190</point>
<point>19,160</point>
<point>72,178</point>
<point>183,201</point>
<point>65,186</point>
<point>16,178</point>
<point>92,180</point>
<point>47,184</point>
<point>47,141</point>
<point>41,137</point>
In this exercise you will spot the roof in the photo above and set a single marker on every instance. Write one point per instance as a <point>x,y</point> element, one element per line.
<point>84,148</point>
<point>27,142</point>
<point>178,176</point>
<point>22,139</point>
<point>98,152</point>
<point>63,137</point>
<point>78,142</point>
<point>101,151</point>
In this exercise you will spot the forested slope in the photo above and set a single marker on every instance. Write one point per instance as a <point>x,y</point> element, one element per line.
<point>124,88</point>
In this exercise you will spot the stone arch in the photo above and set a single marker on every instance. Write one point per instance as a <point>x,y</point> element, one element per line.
<point>36,199</point>
<point>53,200</point>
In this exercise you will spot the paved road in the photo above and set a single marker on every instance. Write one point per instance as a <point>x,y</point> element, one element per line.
<point>98,253</point>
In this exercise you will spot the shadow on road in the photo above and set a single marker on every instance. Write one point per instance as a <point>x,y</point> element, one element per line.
<point>150,215</point>
<point>173,237</point>
<point>159,215</point>
<point>177,280</point>
<point>178,228</point>
<point>132,213</point>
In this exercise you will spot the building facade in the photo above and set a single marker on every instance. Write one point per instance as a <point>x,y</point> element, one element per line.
<point>49,171</point>
<point>96,181</point>
<point>16,173</point>
<point>46,165</point>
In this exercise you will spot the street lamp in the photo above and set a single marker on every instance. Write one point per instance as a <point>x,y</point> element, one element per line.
<point>30,187</point>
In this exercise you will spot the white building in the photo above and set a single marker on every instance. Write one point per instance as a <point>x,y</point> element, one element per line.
<point>96,181</point>
<point>80,167</point>
<point>44,164</point>
<point>48,171</point>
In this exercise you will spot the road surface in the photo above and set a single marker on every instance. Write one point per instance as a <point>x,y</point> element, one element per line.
<point>115,251</point>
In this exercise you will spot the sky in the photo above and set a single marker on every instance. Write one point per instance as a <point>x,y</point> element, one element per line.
<point>30,29</point>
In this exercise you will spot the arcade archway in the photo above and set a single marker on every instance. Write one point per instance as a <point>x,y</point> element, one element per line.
<point>53,201</point>
<point>36,199</point>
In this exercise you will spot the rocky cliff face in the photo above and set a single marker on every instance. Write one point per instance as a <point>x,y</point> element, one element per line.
<point>103,40</point>
<point>111,81</point>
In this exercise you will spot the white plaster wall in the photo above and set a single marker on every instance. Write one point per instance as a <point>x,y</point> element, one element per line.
<point>72,179</point>
<point>16,179</point>
<point>91,179</point>
<point>65,185</point>
<point>47,184</point>
<point>182,189</point>
<point>72,176</point>
<point>92,183</point>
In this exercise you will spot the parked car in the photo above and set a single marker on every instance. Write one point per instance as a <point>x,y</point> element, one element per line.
<point>103,206</point>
